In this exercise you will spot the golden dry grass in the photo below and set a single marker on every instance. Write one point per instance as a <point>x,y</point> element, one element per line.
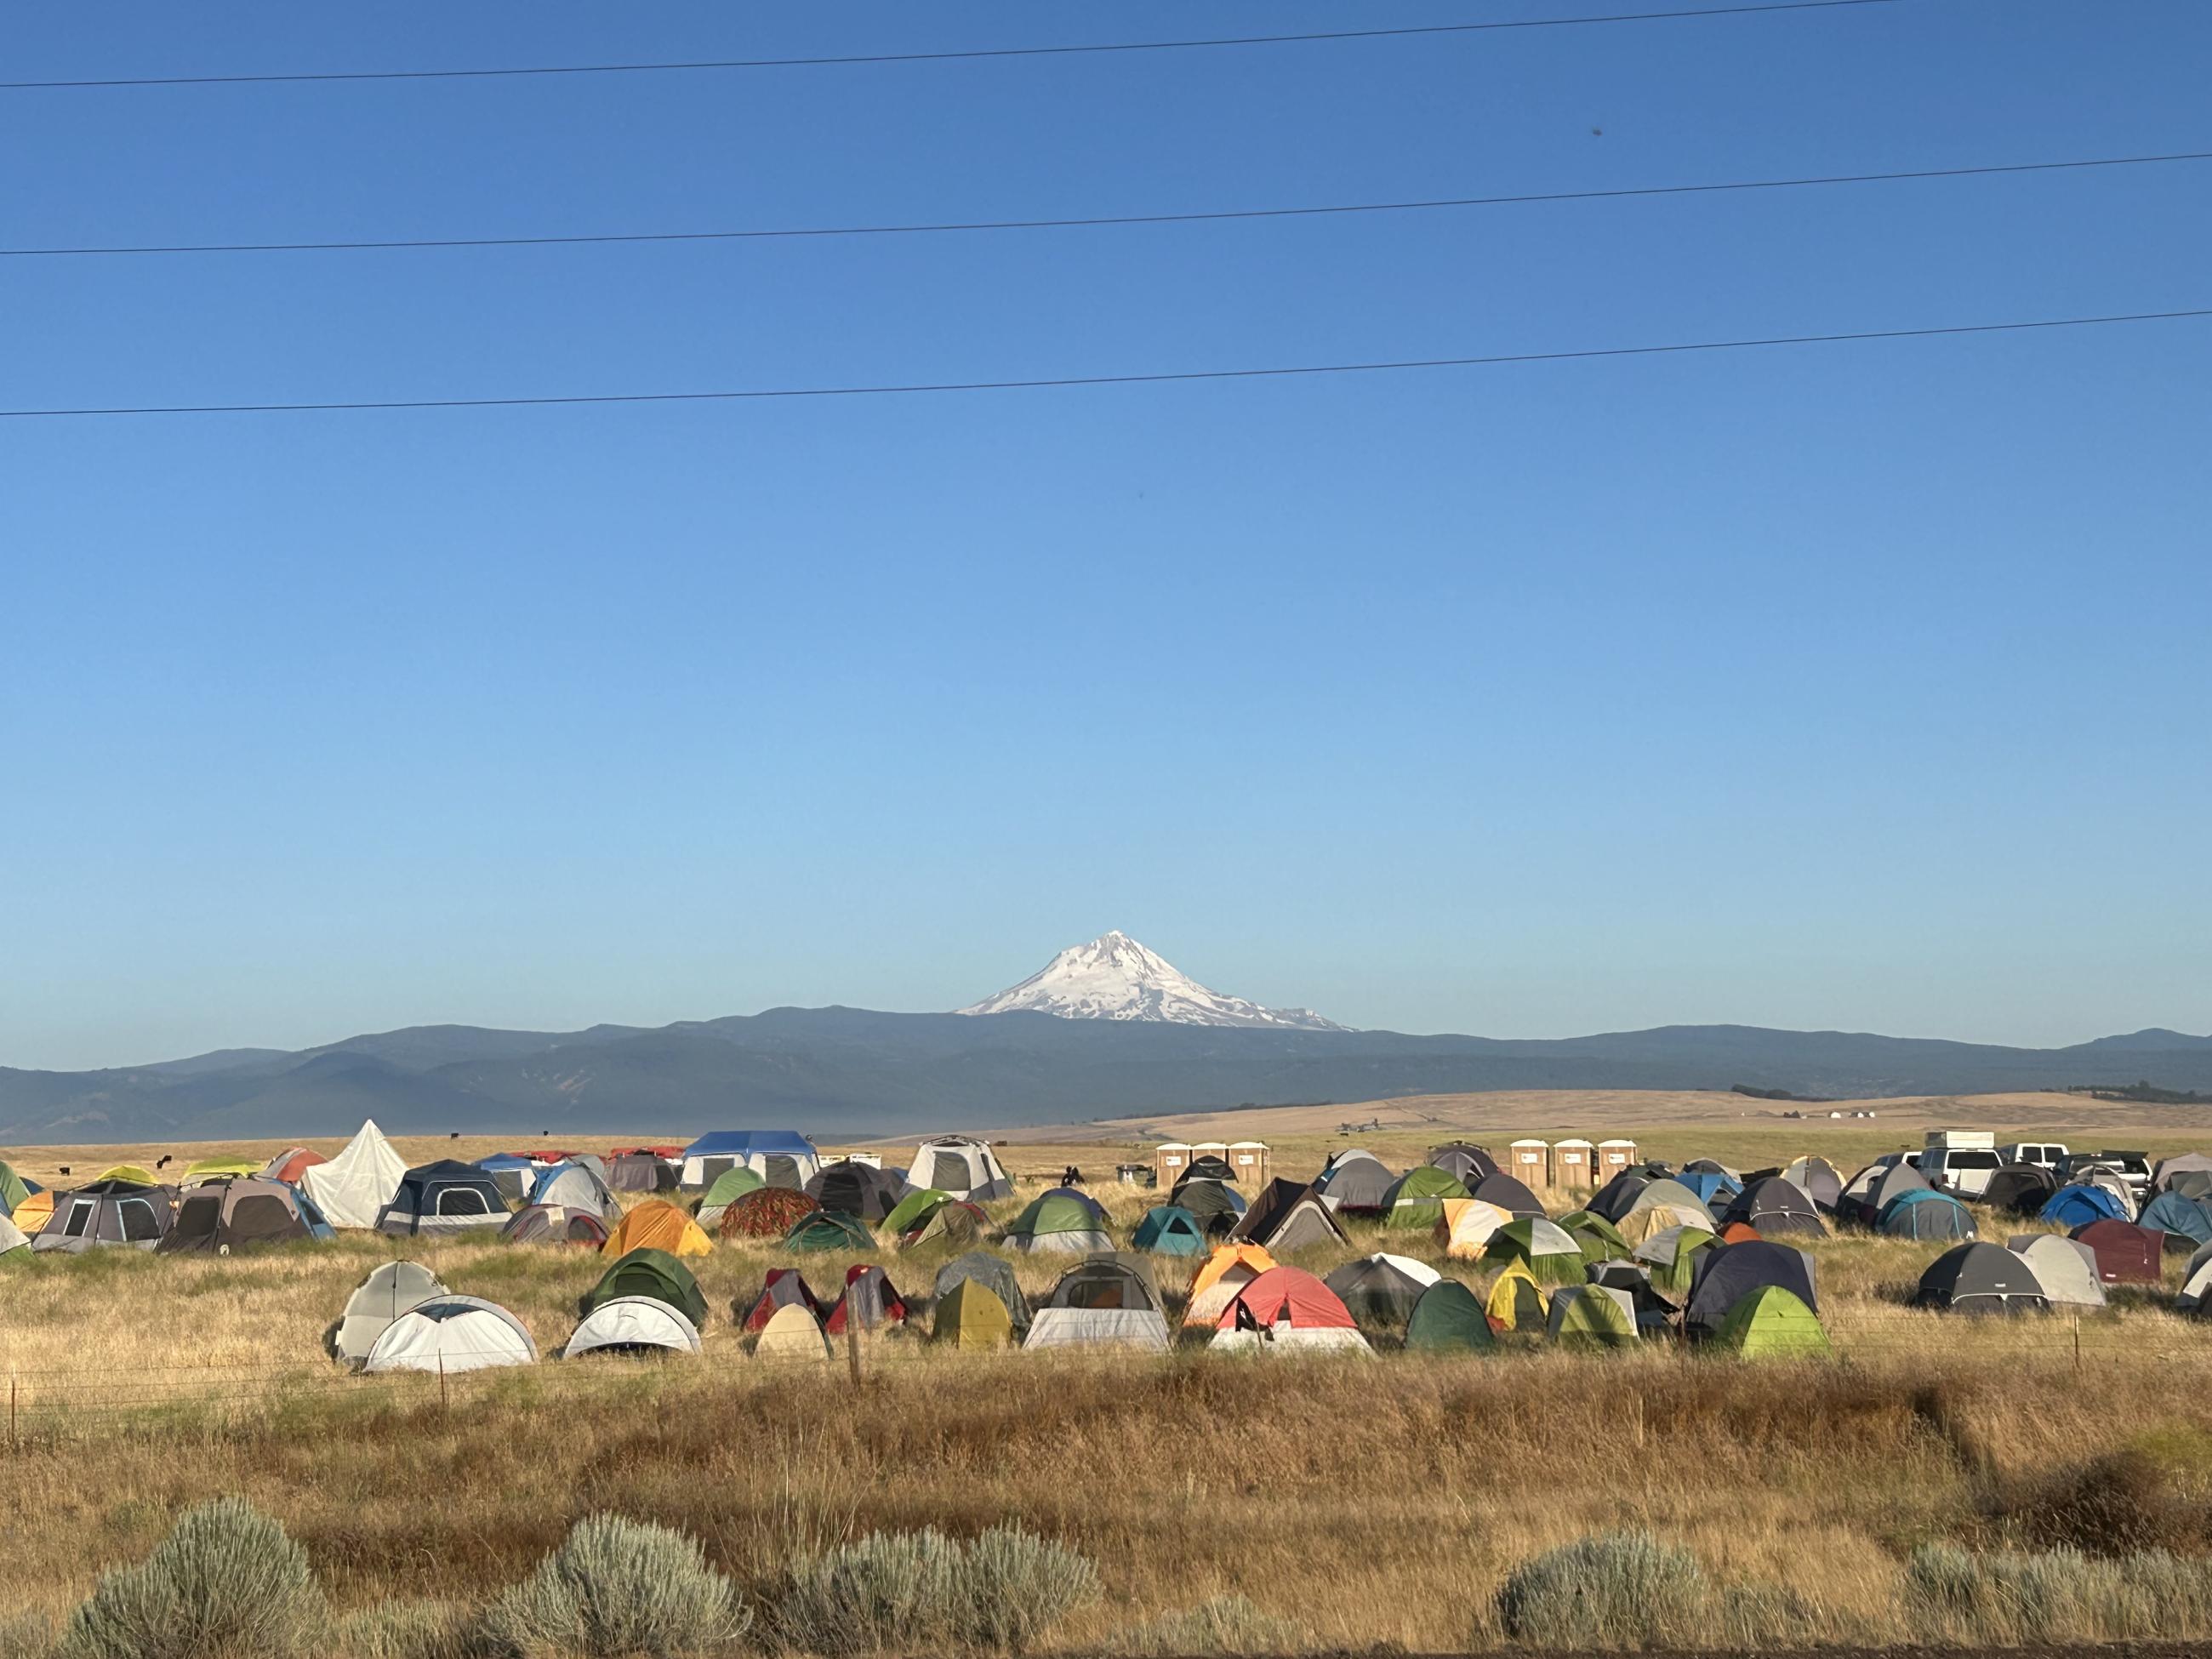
<point>1403,1486</point>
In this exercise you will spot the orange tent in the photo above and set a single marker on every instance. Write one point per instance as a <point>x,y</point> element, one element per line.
<point>1737,1232</point>
<point>657,1225</point>
<point>1227,1271</point>
<point>288,1166</point>
<point>33,1212</point>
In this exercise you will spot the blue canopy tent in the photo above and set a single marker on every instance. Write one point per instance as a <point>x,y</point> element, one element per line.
<point>515,1175</point>
<point>2078,1205</point>
<point>782,1158</point>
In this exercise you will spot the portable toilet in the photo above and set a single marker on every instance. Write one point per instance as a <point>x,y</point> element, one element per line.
<point>1169,1159</point>
<point>1249,1159</point>
<point>1613,1157</point>
<point>1572,1162</point>
<point>1530,1161</point>
<point>1209,1149</point>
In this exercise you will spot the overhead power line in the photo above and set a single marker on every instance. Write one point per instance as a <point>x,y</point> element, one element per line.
<point>360,245</point>
<point>943,57</point>
<point>896,389</point>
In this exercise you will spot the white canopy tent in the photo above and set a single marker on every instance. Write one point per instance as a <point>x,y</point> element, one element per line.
<point>353,1188</point>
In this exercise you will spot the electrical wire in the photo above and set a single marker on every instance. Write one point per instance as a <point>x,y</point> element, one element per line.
<point>1623,193</point>
<point>942,57</point>
<point>1070,380</point>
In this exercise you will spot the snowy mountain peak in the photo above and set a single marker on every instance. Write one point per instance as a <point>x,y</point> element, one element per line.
<point>1114,978</point>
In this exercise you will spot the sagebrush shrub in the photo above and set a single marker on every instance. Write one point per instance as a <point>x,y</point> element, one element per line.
<point>2014,1597</point>
<point>616,1588</point>
<point>228,1580</point>
<point>908,1590</point>
<point>1623,1589</point>
<point>1222,1625</point>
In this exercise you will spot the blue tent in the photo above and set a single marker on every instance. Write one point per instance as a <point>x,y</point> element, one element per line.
<point>2178,1217</point>
<point>1926,1214</point>
<point>743,1143</point>
<point>780,1157</point>
<point>515,1175</point>
<point>1171,1230</point>
<point>1709,1184</point>
<point>2078,1205</point>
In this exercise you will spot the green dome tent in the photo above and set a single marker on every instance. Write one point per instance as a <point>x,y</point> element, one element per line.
<point>828,1229</point>
<point>913,1209</point>
<point>12,1190</point>
<point>1448,1319</point>
<point>650,1273</point>
<point>1671,1255</point>
<point>1599,1239</point>
<point>1772,1323</point>
<point>1546,1252</point>
<point>729,1187</point>
<point>1415,1198</point>
<point>1058,1223</point>
<point>956,1221</point>
<point>1592,1316</point>
<point>1169,1230</point>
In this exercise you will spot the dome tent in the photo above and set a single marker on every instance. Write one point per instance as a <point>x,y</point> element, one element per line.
<point>12,1238</point>
<point>1285,1217</point>
<point>856,1189</point>
<point>1467,1225</point>
<point>511,1173</point>
<point>771,1213</point>
<point>1057,1223</point>
<point>632,1325</point>
<point>995,1273</point>
<point>1107,1299</point>
<point>119,1213</point>
<point>2126,1254</point>
<point>204,1170</point>
<point>352,1189</point>
<point>1543,1249</point>
<point>292,1164</point>
<point>450,1333</point>
<point>1380,1289</point>
<point>1727,1273</point>
<point>1772,1323</point>
<point>1591,1317</point>
<point>555,1224</point>
<point>2188,1174</point>
<point>970,1315</point>
<point>1285,1309</point>
<point>1598,1239</point>
<point>14,1189</point>
<point>387,1293</point>
<point>1449,1319</point>
<point>1227,1271</point>
<point>1215,1204</point>
<point>1517,1302</point>
<point>784,1287</point>
<point>1776,1207</point>
<point>2065,1267</point>
<point>1415,1198</point>
<point>1819,1180</point>
<point>650,1273</point>
<point>793,1333</point>
<point>575,1187</point>
<point>729,1187</point>
<point>916,1207</point>
<point>956,1221</point>
<point>442,1197</point>
<point>657,1225</point>
<point>1465,1163</point>
<point>1660,1204</point>
<point>869,1297</point>
<point>2079,1205</point>
<point>1980,1279</point>
<point>1507,1194</point>
<point>1355,1180</point>
<point>1926,1214</point>
<point>828,1229</point>
<point>1168,1230</point>
<point>2185,1221</point>
<point>960,1168</point>
<point>1671,1255</point>
<point>2020,1190</point>
<point>1873,1188</point>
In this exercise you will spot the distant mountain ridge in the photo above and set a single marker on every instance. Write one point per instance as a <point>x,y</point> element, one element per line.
<point>844,1073</point>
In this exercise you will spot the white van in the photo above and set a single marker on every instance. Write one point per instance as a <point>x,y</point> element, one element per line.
<point>2044,1154</point>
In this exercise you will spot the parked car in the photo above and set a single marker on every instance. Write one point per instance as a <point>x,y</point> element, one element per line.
<point>1962,1171</point>
<point>2133,1168</point>
<point>2044,1154</point>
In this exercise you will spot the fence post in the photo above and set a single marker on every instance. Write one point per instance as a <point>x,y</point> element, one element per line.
<point>2077,1341</point>
<point>14,1444</point>
<point>445,1403</point>
<point>852,1341</point>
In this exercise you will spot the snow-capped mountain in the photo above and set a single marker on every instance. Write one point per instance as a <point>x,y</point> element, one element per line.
<point>1114,978</point>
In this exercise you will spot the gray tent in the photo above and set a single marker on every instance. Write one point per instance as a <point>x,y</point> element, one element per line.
<point>107,1212</point>
<point>1355,1180</point>
<point>995,1273</point>
<point>2065,1267</point>
<point>390,1291</point>
<point>1981,1278</point>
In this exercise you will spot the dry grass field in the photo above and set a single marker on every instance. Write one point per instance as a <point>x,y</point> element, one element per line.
<point>1372,1501</point>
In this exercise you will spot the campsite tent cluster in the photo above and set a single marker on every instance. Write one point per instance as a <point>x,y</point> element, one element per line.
<point>1704,1252</point>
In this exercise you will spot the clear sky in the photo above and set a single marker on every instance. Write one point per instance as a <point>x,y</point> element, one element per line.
<point>1858,686</point>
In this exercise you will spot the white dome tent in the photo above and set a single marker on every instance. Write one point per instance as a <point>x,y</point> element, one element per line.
<point>453,1333</point>
<point>628,1324</point>
<point>966,1169</point>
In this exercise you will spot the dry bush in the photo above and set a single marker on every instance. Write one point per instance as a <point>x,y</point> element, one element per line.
<point>905,1591</point>
<point>408,1630</point>
<point>1624,1589</point>
<point>226,1580</point>
<point>2015,1598</point>
<point>2119,1503</point>
<point>614,1589</point>
<point>1221,1624</point>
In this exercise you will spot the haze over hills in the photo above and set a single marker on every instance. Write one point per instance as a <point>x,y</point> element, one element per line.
<point>1127,1035</point>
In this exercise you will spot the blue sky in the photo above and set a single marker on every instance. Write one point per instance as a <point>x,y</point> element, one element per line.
<point>1852,686</point>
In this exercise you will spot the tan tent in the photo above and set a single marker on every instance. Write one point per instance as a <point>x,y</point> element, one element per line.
<point>793,1333</point>
<point>970,1315</point>
<point>1467,1225</point>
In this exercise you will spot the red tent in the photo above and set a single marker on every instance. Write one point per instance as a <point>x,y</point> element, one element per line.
<point>870,1297</point>
<point>1289,1294</point>
<point>2126,1254</point>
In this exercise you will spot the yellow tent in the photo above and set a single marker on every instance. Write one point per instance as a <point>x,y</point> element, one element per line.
<point>209,1169</point>
<point>970,1315</point>
<point>657,1225</point>
<point>793,1333</point>
<point>1517,1302</point>
<point>1638,1226</point>
<point>145,1177</point>
<point>33,1212</point>
<point>1467,1225</point>
<point>1227,1271</point>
